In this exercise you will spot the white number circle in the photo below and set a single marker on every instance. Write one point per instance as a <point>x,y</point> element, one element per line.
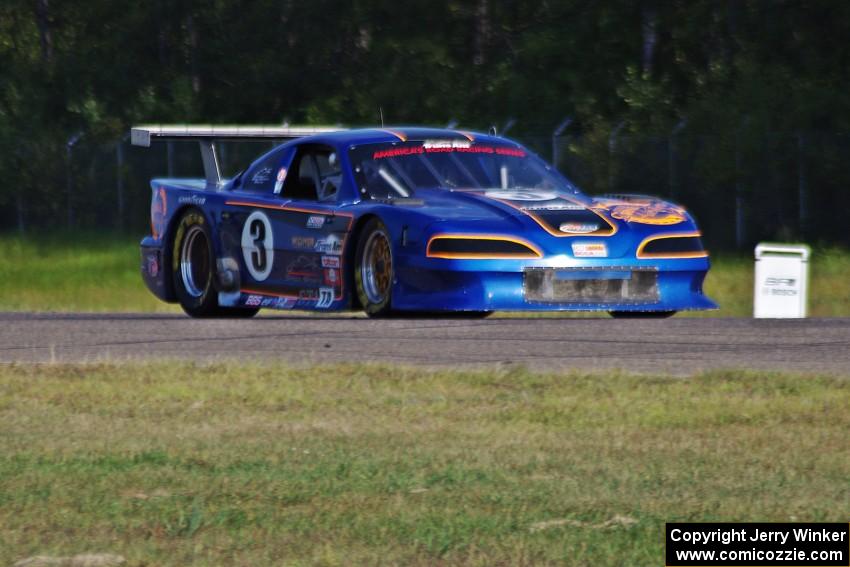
<point>258,245</point>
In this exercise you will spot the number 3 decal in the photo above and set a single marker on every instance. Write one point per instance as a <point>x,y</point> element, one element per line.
<point>258,245</point>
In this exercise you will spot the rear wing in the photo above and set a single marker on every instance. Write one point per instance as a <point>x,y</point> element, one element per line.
<point>206,136</point>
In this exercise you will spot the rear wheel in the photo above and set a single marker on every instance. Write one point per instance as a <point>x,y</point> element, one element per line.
<point>641,314</point>
<point>193,263</point>
<point>373,269</point>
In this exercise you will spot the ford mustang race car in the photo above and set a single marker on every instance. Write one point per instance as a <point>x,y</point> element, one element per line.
<point>408,219</point>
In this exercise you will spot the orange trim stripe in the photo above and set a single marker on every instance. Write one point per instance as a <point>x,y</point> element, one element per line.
<point>469,135</point>
<point>400,135</point>
<point>534,251</point>
<point>670,255</point>
<point>292,209</point>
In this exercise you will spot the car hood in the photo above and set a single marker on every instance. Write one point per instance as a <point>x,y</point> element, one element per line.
<point>558,213</point>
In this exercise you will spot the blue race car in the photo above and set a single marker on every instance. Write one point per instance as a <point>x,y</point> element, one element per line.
<point>408,219</point>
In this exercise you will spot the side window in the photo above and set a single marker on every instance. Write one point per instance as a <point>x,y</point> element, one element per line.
<point>262,177</point>
<point>316,175</point>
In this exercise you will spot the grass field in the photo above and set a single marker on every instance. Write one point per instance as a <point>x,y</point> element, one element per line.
<point>81,272</point>
<point>91,272</point>
<point>234,464</point>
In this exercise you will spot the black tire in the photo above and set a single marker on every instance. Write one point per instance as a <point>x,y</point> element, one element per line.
<point>641,314</point>
<point>193,269</point>
<point>373,269</point>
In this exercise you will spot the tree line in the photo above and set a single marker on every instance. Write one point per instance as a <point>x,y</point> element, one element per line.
<point>733,86</point>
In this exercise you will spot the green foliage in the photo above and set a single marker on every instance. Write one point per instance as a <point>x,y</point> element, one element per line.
<point>100,272</point>
<point>78,272</point>
<point>741,70</point>
<point>270,464</point>
<point>264,61</point>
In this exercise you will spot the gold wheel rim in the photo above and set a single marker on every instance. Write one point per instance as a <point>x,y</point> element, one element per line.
<point>377,267</point>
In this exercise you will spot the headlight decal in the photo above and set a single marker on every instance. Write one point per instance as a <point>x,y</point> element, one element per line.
<point>480,247</point>
<point>672,245</point>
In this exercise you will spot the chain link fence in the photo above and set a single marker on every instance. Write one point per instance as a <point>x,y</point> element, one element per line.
<point>742,190</point>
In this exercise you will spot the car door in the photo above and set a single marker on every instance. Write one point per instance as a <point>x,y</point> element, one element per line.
<point>318,230</point>
<point>251,230</point>
<point>289,240</point>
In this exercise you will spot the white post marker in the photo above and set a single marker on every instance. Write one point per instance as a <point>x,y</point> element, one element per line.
<point>781,282</point>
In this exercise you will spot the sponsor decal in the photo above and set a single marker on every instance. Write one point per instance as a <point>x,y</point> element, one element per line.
<point>192,200</point>
<point>315,221</point>
<point>513,152</point>
<point>254,301</point>
<point>330,261</point>
<point>461,147</point>
<point>653,213</point>
<point>330,245</point>
<point>303,242</point>
<point>559,206</point>
<point>429,144</point>
<point>278,302</point>
<point>304,262</point>
<point>590,250</point>
<point>326,297</point>
<point>261,176</point>
<point>281,177</point>
<point>579,227</point>
<point>308,294</point>
<point>152,265</point>
<point>398,152</point>
<point>304,268</point>
<point>285,302</point>
<point>523,195</point>
<point>331,277</point>
<point>258,245</point>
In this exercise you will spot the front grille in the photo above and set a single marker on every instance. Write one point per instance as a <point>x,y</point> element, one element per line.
<point>590,285</point>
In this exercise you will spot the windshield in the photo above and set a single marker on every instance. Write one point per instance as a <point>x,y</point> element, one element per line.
<point>398,170</point>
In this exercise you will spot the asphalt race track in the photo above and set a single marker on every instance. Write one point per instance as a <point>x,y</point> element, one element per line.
<point>679,345</point>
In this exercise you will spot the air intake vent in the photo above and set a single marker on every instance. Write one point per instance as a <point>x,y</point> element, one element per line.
<point>590,286</point>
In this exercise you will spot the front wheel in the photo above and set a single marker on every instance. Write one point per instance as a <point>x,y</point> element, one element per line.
<point>641,314</point>
<point>373,269</point>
